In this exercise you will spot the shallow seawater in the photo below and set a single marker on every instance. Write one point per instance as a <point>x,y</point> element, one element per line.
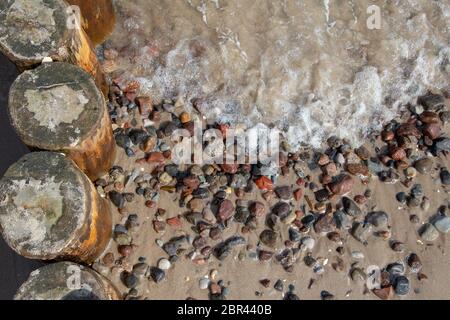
<point>313,68</point>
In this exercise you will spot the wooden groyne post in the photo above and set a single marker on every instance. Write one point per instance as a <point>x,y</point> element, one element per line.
<point>66,281</point>
<point>57,107</point>
<point>31,31</point>
<point>49,210</point>
<point>97,18</point>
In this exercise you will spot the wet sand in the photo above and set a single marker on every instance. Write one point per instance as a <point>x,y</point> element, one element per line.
<point>242,273</point>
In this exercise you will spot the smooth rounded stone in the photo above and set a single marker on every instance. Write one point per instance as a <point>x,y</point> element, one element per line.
<point>269,238</point>
<point>226,210</point>
<point>428,232</point>
<point>140,269</point>
<point>284,193</point>
<point>417,191</point>
<point>357,255</point>
<point>445,177</point>
<point>242,214</point>
<point>308,220</point>
<point>350,207</point>
<point>414,263</point>
<point>395,269</point>
<point>442,145</point>
<point>361,231</point>
<point>307,244</point>
<point>410,172</point>
<point>324,224</point>
<point>290,218</point>
<point>257,209</point>
<point>401,285</point>
<point>130,280</point>
<point>294,235</point>
<point>401,197</point>
<point>123,141</point>
<point>204,283</point>
<point>201,193</point>
<point>117,199</point>
<point>325,295</point>
<point>443,224</point>
<point>379,219</point>
<point>424,166</point>
<point>281,209</point>
<point>164,264</point>
<point>172,170</point>
<point>397,246</point>
<point>157,274</point>
<point>342,220</point>
<point>375,166</point>
<point>322,195</point>
<point>363,153</point>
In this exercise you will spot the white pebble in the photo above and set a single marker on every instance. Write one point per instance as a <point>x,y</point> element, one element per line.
<point>203,283</point>
<point>164,264</point>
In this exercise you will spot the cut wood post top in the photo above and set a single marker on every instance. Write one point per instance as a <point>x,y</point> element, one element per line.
<point>66,281</point>
<point>33,30</point>
<point>46,207</point>
<point>55,106</point>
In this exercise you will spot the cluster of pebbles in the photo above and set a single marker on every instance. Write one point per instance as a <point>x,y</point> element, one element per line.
<point>288,219</point>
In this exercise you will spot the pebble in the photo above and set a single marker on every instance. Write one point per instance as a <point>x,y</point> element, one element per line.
<point>401,285</point>
<point>414,263</point>
<point>281,209</point>
<point>358,275</point>
<point>204,283</point>
<point>401,197</point>
<point>130,280</point>
<point>284,193</point>
<point>379,219</point>
<point>445,177</point>
<point>307,244</point>
<point>428,232</point>
<point>268,237</point>
<point>117,199</point>
<point>361,231</point>
<point>342,185</point>
<point>164,264</point>
<point>424,166</point>
<point>443,224</point>
<point>342,220</point>
<point>157,274</point>
<point>350,207</point>
<point>279,286</point>
<point>226,210</point>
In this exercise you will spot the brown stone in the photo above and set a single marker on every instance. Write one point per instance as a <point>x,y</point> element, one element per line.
<point>257,209</point>
<point>323,160</point>
<point>191,181</point>
<point>342,186</point>
<point>226,210</point>
<point>230,168</point>
<point>155,157</point>
<point>363,153</point>
<point>409,129</point>
<point>397,153</point>
<point>429,117</point>
<point>330,169</point>
<point>264,183</point>
<point>432,130</point>
<point>358,169</point>
<point>298,194</point>
<point>145,106</point>
<point>385,293</point>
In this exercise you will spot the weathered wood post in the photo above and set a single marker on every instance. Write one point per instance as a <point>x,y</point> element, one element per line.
<point>97,18</point>
<point>33,30</point>
<point>66,281</point>
<point>49,209</point>
<point>57,107</point>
